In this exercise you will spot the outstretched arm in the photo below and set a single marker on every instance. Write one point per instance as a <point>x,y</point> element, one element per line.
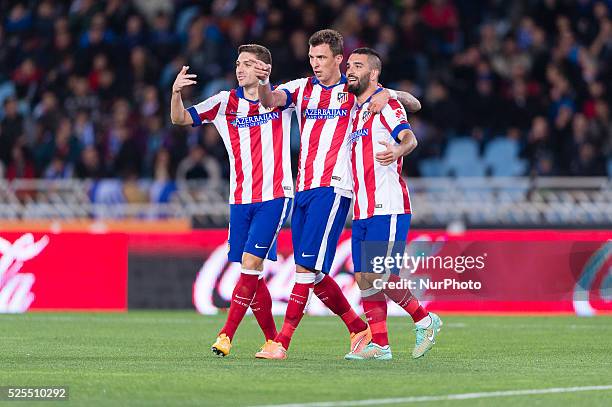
<point>380,100</point>
<point>178,113</point>
<point>269,98</point>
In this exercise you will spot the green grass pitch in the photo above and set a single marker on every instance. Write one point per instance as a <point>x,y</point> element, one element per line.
<point>163,359</point>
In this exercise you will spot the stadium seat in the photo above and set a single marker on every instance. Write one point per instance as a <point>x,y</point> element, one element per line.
<point>462,160</point>
<point>501,157</point>
<point>469,168</point>
<point>431,167</point>
<point>460,150</point>
<point>500,148</point>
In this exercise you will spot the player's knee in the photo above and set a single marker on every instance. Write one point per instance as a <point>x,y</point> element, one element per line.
<point>319,277</point>
<point>251,262</point>
<point>362,281</point>
<point>305,278</point>
<point>365,281</point>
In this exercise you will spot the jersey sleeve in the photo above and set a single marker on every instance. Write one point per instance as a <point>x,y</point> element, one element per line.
<point>393,116</point>
<point>207,111</point>
<point>292,89</point>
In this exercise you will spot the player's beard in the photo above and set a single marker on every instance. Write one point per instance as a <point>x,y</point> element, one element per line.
<point>362,85</point>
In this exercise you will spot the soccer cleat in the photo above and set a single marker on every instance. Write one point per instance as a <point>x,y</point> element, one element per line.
<point>261,350</point>
<point>371,351</point>
<point>222,346</point>
<point>360,340</point>
<point>426,337</point>
<point>272,350</point>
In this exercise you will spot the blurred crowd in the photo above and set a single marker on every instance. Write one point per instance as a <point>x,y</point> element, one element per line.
<point>84,84</point>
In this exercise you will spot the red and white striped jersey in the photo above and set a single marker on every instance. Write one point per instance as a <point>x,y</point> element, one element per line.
<point>257,143</point>
<point>324,114</point>
<point>378,189</point>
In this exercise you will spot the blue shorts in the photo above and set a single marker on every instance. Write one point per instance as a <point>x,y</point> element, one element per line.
<point>253,228</point>
<point>318,218</point>
<point>371,237</point>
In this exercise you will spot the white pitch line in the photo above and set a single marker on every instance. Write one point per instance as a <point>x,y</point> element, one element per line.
<point>464,396</point>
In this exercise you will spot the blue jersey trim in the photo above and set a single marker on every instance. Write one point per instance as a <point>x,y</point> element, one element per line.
<point>396,131</point>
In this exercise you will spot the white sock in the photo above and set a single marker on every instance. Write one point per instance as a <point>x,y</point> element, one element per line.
<point>424,323</point>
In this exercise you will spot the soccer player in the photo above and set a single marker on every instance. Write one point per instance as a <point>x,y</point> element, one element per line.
<point>261,185</point>
<point>323,106</point>
<point>381,213</point>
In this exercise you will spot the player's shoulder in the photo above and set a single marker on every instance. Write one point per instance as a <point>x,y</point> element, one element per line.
<point>295,83</point>
<point>393,106</point>
<point>224,97</point>
<point>219,96</point>
<point>225,94</point>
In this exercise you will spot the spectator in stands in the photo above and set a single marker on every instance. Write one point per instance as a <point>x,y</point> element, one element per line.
<point>48,112</point>
<point>216,150</point>
<point>80,97</point>
<point>163,184</point>
<point>59,169</point>
<point>21,165</point>
<point>587,162</point>
<point>11,128</point>
<point>510,64</point>
<point>538,149</point>
<point>199,165</point>
<point>89,165</point>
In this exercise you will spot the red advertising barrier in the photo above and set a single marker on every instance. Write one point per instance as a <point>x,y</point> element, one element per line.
<point>79,271</point>
<point>72,271</point>
<point>574,279</point>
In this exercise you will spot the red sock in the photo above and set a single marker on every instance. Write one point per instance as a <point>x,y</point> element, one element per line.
<point>331,295</point>
<point>262,309</point>
<point>405,299</point>
<point>304,284</point>
<point>241,300</point>
<point>375,308</point>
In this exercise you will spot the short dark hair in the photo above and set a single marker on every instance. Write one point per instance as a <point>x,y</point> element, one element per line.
<point>330,37</point>
<point>262,53</point>
<point>373,57</point>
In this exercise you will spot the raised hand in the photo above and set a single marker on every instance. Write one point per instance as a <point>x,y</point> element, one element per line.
<point>379,101</point>
<point>183,79</point>
<point>261,69</point>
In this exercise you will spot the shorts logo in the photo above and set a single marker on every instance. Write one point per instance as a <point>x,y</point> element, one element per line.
<point>343,97</point>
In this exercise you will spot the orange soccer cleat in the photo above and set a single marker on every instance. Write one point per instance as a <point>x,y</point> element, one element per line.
<point>222,346</point>
<point>360,340</point>
<point>272,350</point>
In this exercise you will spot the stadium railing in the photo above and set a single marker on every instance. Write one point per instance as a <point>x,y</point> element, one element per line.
<point>514,202</point>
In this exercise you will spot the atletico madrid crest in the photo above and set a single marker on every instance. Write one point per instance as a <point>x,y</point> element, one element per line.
<point>342,97</point>
<point>366,115</point>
